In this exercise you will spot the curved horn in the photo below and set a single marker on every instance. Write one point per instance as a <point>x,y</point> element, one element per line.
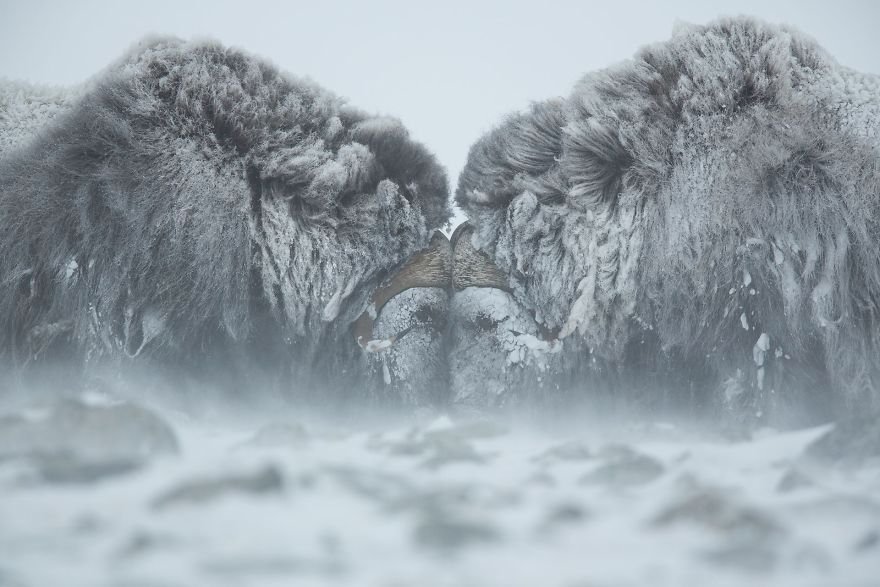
<point>473,268</point>
<point>430,267</point>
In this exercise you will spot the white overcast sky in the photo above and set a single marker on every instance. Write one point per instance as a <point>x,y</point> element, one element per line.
<point>448,69</point>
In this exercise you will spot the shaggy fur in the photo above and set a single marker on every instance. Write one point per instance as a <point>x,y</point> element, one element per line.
<point>24,108</point>
<point>709,208</point>
<point>196,203</point>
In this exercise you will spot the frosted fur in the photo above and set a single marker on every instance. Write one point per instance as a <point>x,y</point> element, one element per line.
<point>25,108</point>
<point>630,213</point>
<point>413,370</point>
<point>497,359</point>
<point>196,202</point>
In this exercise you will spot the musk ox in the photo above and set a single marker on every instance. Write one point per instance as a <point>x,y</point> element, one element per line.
<point>193,207</point>
<point>700,224</point>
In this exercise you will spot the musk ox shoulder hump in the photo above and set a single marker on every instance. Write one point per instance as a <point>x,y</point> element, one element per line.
<point>618,129</point>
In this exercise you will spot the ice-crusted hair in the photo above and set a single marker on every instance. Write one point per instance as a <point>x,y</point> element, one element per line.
<point>194,196</point>
<point>25,107</point>
<point>719,194</point>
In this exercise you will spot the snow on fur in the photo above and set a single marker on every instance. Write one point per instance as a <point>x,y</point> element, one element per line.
<point>197,203</point>
<point>629,215</point>
<point>25,108</point>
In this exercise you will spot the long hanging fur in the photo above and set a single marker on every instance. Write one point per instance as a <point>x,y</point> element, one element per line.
<point>194,200</point>
<point>715,199</point>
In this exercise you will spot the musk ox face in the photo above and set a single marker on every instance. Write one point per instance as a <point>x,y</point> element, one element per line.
<point>705,215</point>
<point>194,206</point>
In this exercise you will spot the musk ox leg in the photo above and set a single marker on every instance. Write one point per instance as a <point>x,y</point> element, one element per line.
<point>854,369</point>
<point>767,388</point>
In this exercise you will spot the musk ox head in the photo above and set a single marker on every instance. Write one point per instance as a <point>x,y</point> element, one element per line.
<point>195,204</point>
<point>705,215</point>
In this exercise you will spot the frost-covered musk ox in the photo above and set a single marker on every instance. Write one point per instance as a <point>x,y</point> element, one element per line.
<point>195,207</point>
<point>704,218</point>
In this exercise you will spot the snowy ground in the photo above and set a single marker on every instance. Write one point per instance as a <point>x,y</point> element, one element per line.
<point>110,495</point>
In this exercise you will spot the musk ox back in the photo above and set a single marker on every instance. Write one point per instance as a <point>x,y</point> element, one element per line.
<point>700,222</point>
<point>194,206</point>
